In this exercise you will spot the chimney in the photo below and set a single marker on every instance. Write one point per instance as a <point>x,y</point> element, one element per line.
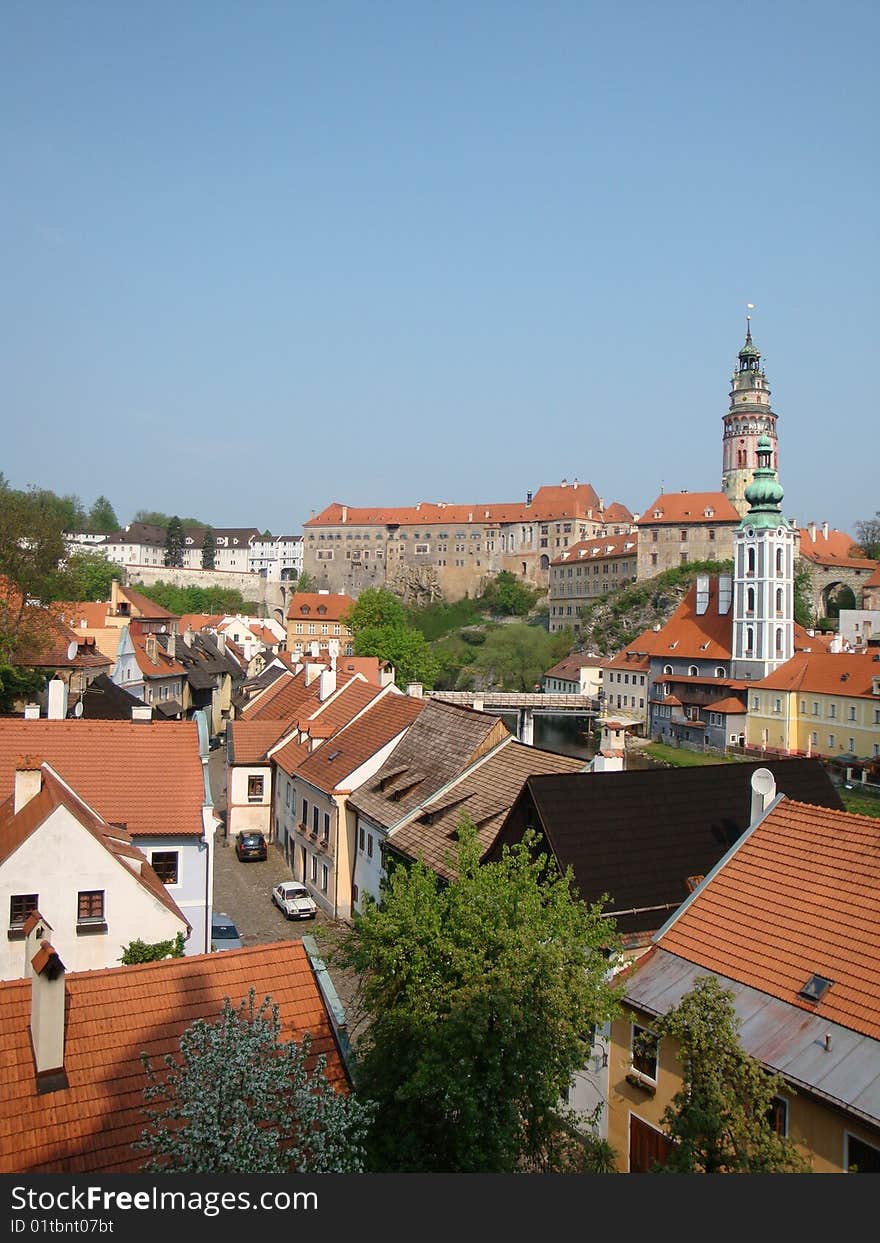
<point>811,527</point>
<point>327,684</point>
<point>47,1004</point>
<point>57,710</point>
<point>312,671</point>
<point>114,596</point>
<point>528,499</point>
<point>32,712</point>
<point>171,646</point>
<point>415,690</point>
<point>763,785</point>
<point>345,513</point>
<point>188,636</point>
<point>151,647</point>
<point>825,530</point>
<point>141,712</point>
<point>314,648</point>
<point>221,642</point>
<point>386,675</point>
<point>28,780</point>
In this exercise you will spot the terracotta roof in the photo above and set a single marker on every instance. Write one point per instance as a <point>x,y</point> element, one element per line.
<point>198,621</point>
<point>574,500</point>
<point>16,828</point>
<point>112,1016</point>
<point>800,896</point>
<point>485,792</point>
<point>599,549</point>
<point>163,667</point>
<point>628,658</point>
<point>349,699</point>
<point>570,667</point>
<point>728,705</point>
<point>616,512</point>
<point>291,755</point>
<point>331,766</point>
<point>82,614</point>
<point>147,777</point>
<point>832,549</point>
<point>691,634</point>
<point>249,741</point>
<point>287,698</point>
<point>684,508</point>
<point>848,674</point>
<point>441,742</point>
<point>145,607</point>
<point>307,605</point>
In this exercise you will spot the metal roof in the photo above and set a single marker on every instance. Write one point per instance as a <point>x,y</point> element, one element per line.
<point>785,1038</point>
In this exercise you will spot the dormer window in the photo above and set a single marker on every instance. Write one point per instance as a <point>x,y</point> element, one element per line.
<point>815,988</point>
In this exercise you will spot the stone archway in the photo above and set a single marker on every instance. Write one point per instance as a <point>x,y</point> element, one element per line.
<point>836,596</point>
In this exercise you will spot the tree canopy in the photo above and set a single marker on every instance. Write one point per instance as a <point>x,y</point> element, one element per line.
<point>174,543</point>
<point>720,1120</point>
<point>379,624</point>
<point>505,596</point>
<point>209,549</point>
<point>90,575</point>
<point>210,600</point>
<point>102,517</point>
<point>868,536</point>
<point>480,994</point>
<point>237,1099</point>
<point>32,548</point>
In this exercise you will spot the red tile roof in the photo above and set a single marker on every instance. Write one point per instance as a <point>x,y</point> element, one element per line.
<point>684,508</point>
<point>339,709</point>
<point>849,674</point>
<point>572,500</point>
<point>113,1016</point>
<point>799,896</point>
<point>163,666</point>
<point>145,607</point>
<point>331,766</point>
<point>307,605</point>
<point>598,549</point>
<point>252,739</point>
<point>147,777</point>
<point>835,548</point>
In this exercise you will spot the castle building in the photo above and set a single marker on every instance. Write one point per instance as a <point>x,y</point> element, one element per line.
<point>747,420</point>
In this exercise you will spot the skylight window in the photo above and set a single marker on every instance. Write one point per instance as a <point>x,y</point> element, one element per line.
<point>815,988</point>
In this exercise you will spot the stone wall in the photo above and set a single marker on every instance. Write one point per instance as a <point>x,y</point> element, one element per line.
<point>271,596</point>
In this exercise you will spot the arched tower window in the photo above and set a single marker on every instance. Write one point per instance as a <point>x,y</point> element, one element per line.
<point>750,561</point>
<point>778,640</point>
<point>693,671</point>
<point>667,669</point>
<point>778,599</point>
<point>750,640</point>
<point>750,600</point>
<point>779,555</point>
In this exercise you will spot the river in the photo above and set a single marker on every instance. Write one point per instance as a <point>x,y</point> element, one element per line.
<point>571,735</point>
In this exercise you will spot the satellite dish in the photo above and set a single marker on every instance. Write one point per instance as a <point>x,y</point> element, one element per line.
<point>763,781</point>
<point>161,630</point>
<point>78,709</point>
<point>72,649</point>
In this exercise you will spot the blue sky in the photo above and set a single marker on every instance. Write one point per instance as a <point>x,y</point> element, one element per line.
<point>263,256</point>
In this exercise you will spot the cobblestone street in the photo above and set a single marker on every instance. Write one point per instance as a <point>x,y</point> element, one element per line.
<point>243,891</point>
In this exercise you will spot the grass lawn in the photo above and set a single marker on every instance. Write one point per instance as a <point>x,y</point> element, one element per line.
<point>681,757</point>
<point>863,804</point>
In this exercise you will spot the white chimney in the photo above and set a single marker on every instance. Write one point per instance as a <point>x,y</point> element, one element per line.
<point>345,513</point>
<point>221,642</point>
<point>327,684</point>
<point>28,780</point>
<point>188,636</point>
<point>415,690</point>
<point>141,712</point>
<point>47,1004</point>
<point>825,530</point>
<point>811,527</point>
<point>386,675</point>
<point>312,671</point>
<point>57,710</point>
<point>314,648</point>
<point>171,646</point>
<point>763,792</point>
<point>32,712</point>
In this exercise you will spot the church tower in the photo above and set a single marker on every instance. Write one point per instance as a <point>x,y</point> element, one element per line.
<point>764,546</point>
<point>748,418</point>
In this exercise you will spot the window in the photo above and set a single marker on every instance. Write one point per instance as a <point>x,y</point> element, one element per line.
<point>324,876</point>
<point>861,1158</point>
<point>361,838</point>
<point>852,712</point>
<point>815,707</point>
<point>305,813</point>
<point>832,712</point>
<point>255,789</point>
<point>683,535</point>
<point>326,826</point>
<point>315,818</point>
<point>369,845</point>
<point>831,740</point>
<point>645,1047</point>
<point>90,906</point>
<point>287,794</point>
<point>20,906</point>
<point>165,865</point>
<point>314,867</point>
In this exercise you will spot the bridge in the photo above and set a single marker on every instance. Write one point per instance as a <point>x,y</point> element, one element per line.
<point>527,704</point>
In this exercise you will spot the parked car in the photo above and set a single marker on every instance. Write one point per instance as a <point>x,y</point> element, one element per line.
<point>224,934</point>
<point>251,846</point>
<point>294,900</point>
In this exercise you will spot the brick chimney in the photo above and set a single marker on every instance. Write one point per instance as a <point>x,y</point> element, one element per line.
<point>46,971</point>
<point>28,780</point>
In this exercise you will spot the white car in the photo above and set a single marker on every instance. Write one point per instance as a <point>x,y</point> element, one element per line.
<point>294,900</point>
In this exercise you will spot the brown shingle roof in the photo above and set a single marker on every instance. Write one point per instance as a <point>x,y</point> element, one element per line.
<point>441,742</point>
<point>113,1016</point>
<point>485,793</point>
<point>148,777</point>
<point>799,896</point>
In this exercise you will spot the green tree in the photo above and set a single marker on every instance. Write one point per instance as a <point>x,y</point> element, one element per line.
<point>145,951</point>
<point>32,526</point>
<point>305,582</point>
<point>102,517</point>
<point>17,684</point>
<point>515,657</point>
<point>506,596</point>
<point>405,648</point>
<point>479,995</point>
<point>720,1119</point>
<point>174,543</point>
<point>155,518</point>
<point>239,1100</point>
<point>803,595</point>
<point>180,600</point>
<point>375,609</point>
<point>90,575</point>
<point>209,549</point>
<point>868,536</point>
